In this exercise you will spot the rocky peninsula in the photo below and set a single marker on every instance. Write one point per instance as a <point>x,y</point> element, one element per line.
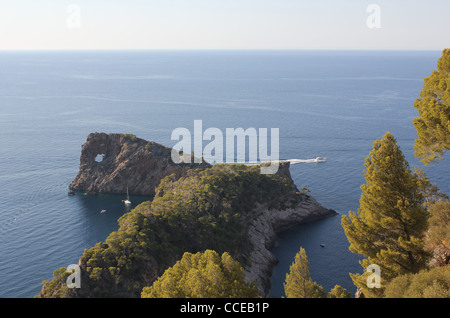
<point>231,208</point>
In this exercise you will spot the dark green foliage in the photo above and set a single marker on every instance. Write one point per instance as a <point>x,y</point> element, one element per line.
<point>207,209</point>
<point>130,137</point>
<point>57,286</point>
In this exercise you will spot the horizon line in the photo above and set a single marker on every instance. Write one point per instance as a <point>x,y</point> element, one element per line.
<point>217,49</point>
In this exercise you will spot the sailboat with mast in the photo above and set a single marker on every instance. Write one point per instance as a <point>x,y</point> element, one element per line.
<point>127,201</point>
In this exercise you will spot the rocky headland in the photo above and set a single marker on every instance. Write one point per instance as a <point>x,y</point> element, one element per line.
<point>111,163</point>
<point>263,235</point>
<point>266,205</point>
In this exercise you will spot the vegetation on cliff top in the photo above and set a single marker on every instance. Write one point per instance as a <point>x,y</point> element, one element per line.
<point>207,209</point>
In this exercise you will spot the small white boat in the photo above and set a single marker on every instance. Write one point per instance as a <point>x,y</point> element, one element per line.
<point>127,201</point>
<point>318,159</point>
<point>102,211</point>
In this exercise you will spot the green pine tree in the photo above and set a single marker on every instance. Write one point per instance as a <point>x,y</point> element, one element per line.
<point>298,283</point>
<point>433,123</point>
<point>388,229</point>
<point>203,275</point>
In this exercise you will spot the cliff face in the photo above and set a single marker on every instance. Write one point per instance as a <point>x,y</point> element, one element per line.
<point>127,162</point>
<point>263,235</point>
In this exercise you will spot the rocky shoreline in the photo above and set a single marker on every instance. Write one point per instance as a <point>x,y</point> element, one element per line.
<point>140,165</point>
<point>263,236</point>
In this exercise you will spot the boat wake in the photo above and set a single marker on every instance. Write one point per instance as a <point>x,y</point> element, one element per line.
<point>296,161</point>
<point>292,161</point>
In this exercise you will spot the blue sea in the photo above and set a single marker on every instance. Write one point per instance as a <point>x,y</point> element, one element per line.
<point>331,104</point>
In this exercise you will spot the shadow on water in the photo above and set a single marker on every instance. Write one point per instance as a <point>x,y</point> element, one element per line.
<point>101,213</point>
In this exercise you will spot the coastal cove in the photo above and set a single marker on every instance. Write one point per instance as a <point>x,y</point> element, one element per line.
<point>327,104</point>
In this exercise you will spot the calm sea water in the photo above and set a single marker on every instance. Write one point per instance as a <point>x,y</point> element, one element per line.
<point>331,104</point>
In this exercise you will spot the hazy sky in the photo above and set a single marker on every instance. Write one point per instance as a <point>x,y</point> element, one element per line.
<point>224,24</point>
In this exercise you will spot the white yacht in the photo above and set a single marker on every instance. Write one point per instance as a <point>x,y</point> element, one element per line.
<point>127,201</point>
